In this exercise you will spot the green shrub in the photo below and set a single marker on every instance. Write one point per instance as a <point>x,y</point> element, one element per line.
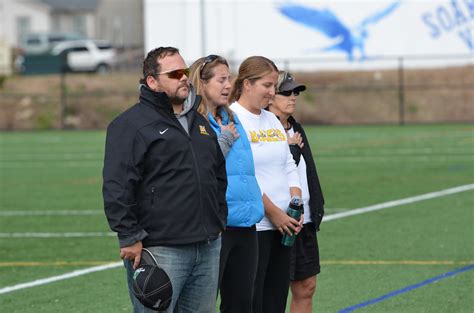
<point>3,79</point>
<point>44,120</point>
<point>308,97</point>
<point>412,108</point>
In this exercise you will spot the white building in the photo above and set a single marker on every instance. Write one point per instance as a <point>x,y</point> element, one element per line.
<point>19,17</point>
<point>347,33</point>
<point>73,16</point>
<point>121,22</point>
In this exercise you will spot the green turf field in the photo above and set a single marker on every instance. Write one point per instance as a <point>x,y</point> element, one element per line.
<point>50,187</point>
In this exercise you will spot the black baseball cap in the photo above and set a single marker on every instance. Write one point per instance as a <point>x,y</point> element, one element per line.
<point>288,83</point>
<point>151,285</point>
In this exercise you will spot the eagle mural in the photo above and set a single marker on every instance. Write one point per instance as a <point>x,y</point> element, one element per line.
<point>347,39</point>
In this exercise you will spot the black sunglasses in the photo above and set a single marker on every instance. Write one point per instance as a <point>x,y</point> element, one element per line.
<point>289,92</point>
<point>176,74</point>
<point>209,59</point>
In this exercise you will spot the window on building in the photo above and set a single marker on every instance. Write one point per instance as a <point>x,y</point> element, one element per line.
<point>23,26</point>
<point>79,25</point>
<point>56,22</point>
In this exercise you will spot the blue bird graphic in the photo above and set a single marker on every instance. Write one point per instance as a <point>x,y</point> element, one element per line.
<point>326,22</point>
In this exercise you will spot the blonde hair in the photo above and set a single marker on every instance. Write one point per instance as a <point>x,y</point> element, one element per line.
<point>202,70</point>
<point>281,78</point>
<point>252,68</point>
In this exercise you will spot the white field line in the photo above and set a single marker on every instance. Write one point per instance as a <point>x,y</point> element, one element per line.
<point>394,203</point>
<point>58,235</point>
<point>82,212</point>
<point>35,165</point>
<point>50,212</point>
<point>61,157</point>
<point>331,217</point>
<point>72,274</point>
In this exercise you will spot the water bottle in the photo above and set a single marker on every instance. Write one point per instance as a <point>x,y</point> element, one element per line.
<point>295,209</point>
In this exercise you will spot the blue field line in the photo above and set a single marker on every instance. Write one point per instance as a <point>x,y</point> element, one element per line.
<point>407,289</point>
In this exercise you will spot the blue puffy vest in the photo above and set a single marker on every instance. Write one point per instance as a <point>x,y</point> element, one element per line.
<point>244,198</point>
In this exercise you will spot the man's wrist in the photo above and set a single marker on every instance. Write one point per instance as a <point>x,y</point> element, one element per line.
<point>131,240</point>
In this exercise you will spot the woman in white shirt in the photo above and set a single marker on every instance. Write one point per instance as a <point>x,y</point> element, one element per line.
<point>277,177</point>
<point>305,254</point>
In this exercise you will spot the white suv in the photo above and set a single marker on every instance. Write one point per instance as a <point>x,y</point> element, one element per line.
<point>87,55</point>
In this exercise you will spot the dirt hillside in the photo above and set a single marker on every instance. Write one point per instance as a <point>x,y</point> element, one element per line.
<point>90,101</point>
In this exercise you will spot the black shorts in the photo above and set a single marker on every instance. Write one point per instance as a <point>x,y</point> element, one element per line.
<point>304,261</point>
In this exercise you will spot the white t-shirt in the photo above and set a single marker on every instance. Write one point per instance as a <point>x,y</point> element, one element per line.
<point>304,183</point>
<point>275,168</point>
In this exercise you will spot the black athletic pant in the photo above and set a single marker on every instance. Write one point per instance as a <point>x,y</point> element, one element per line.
<point>273,274</point>
<point>238,267</point>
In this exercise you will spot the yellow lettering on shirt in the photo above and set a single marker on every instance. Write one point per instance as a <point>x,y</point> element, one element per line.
<point>266,135</point>
<point>280,135</point>
<point>253,136</point>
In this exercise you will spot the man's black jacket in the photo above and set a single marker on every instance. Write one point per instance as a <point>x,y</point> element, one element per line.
<point>161,185</point>
<point>316,199</point>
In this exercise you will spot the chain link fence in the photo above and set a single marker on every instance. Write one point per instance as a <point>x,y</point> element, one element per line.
<point>399,93</point>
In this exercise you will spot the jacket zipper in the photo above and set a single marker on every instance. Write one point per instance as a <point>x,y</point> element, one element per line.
<point>200,189</point>
<point>152,196</point>
<point>190,126</point>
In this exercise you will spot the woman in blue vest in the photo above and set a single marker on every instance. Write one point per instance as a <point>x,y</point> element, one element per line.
<point>239,253</point>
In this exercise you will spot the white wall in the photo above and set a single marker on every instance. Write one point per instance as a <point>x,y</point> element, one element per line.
<point>237,29</point>
<point>10,10</point>
<point>5,59</point>
<point>66,22</point>
<point>121,22</point>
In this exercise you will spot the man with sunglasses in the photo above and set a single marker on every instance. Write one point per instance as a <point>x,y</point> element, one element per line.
<point>165,183</point>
